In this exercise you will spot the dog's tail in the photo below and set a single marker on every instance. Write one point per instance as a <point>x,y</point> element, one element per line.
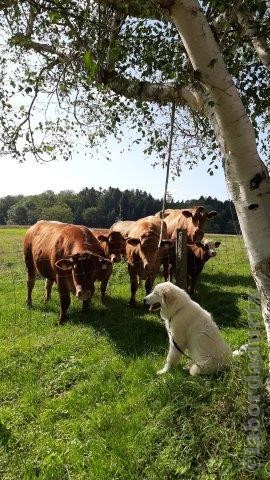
<point>242,350</point>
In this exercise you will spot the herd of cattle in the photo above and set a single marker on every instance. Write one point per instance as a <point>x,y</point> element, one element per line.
<point>75,256</point>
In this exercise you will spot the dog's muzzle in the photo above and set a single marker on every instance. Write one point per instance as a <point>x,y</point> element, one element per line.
<point>153,307</point>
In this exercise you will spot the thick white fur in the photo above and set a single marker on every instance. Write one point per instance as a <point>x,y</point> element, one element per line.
<point>193,329</point>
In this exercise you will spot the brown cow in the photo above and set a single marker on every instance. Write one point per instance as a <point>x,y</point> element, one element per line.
<point>191,220</point>
<point>144,252</point>
<point>68,255</point>
<point>197,255</point>
<point>122,226</point>
<point>112,243</point>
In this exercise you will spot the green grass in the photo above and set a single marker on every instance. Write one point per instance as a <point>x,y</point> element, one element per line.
<point>83,401</point>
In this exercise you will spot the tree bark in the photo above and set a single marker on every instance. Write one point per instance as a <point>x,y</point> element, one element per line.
<point>246,175</point>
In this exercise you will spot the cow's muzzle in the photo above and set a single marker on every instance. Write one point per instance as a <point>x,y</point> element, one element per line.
<point>83,294</point>
<point>114,258</point>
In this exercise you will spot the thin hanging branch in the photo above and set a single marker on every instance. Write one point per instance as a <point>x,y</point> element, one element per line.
<point>168,169</point>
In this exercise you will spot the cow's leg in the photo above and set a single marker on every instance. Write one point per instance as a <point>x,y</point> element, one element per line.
<point>170,272</point>
<point>172,358</point>
<point>64,300</point>
<point>31,277</point>
<point>172,267</point>
<point>103,286</point>
<point>166,267</point>
<point>148,288</point>
<point>149,284</point>
<point>134,284</point>
<point>85,305</point>
<point>64,304</point>
<point>30,285</point>
<point>191,284</point>
<point>48,289</point>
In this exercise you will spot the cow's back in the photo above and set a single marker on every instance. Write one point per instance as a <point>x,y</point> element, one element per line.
<point>100,231</point>
<point>175,219</point>
<point>122,226</point>
<point>49,241</point>
<point>150,224</point>
<point>43,243</point>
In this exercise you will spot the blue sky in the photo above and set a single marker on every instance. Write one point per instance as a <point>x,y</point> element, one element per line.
<point>126,171</point>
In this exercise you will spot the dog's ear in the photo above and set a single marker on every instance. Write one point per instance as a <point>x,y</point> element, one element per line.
<point>167,296</point>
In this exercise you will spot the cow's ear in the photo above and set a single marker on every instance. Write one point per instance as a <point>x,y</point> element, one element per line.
<point>133,241</point>
<point>110,238</point>
<point>102,238</point>
<point>166,213</point>
<point>200,245</point>
<point>64,264</point>
<point>212,214</point>
<point>187,213</point>
<point>166,243</point>
<point>217,244</point>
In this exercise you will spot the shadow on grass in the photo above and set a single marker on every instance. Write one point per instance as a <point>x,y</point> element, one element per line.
<point>133,331</point>
<point>231,280</point>
<point>224,305</point>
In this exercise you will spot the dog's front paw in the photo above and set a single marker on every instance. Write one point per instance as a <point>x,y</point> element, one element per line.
<point>162,371</point>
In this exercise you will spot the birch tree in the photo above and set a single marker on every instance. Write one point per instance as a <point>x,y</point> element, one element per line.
<point>113,61</point>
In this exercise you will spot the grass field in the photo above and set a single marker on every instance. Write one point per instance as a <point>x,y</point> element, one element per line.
<point>83,401</point>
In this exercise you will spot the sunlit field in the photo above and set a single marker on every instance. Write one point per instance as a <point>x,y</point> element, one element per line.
<point>83,401</point>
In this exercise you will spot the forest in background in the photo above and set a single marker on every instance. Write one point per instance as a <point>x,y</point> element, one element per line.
<point>102,207</point>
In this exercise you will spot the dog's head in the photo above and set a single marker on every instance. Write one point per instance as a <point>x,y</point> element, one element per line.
<point>167,297</point>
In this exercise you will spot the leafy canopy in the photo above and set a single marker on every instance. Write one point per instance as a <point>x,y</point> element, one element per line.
<point>76,72</point>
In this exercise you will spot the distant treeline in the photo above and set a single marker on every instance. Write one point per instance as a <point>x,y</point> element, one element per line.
<point>101,208</point>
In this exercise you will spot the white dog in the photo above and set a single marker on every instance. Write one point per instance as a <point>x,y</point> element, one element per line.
<point>190,328</point>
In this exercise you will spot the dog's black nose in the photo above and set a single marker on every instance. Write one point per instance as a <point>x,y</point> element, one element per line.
<point>144,302</point>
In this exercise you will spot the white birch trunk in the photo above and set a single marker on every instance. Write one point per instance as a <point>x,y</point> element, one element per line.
<point>246,175</point>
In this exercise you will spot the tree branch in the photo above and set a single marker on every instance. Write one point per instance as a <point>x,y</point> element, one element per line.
<point>141,9</point>
<point>27,43</point>
<point>160,93</point>
<point>115,27</point>
<point>252,31</point>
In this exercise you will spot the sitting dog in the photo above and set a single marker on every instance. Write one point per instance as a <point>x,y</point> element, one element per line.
<point>190,328</point>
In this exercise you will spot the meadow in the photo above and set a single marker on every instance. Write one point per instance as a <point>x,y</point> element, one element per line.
<point>83,401</point>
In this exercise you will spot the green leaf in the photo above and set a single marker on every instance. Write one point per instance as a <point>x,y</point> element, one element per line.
<point>90,64</point>
<point>55,17</point>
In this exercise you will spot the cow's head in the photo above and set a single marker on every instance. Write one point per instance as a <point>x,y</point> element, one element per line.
<point>113,245</point>
<point>209,249</point>
<point>147,248</point>
<point>83,268</point>
<point>196,222</point>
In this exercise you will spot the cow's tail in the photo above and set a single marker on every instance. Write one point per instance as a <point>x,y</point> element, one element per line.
<point>241,351</point>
